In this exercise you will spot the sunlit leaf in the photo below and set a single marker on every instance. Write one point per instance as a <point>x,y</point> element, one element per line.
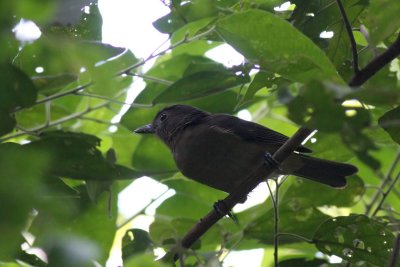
<point>263,39</point>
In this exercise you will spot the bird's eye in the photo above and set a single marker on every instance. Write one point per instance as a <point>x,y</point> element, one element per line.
<point>163,117</point>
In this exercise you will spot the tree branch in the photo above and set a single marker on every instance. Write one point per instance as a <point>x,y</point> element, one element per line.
<point>376,64</point>
<point>388,178</point>
<point>243,190</point>
<point>385,194</point>
<point>396,251</point>
<point>351,36</point>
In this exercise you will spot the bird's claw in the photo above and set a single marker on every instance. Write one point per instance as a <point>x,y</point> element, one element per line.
<point>221,208</point>
<point>270,161</point>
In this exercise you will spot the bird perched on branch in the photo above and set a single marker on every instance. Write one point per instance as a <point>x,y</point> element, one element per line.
<point>221,150</point>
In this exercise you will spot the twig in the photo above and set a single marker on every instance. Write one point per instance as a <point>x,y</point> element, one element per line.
<point>365,33</point>
<point>396,251</point>
<point>385,194</point>
<point>151,78</point>
<point>57,122</point>
<point>275,202</point>
<point>115,101</point>
<point>243,190</point>
<point>153,55</point>
<point>58,95</point>
<point>142,210</point>
<point>387,179</point>
<point>351,36</point>
<point>376,64</point>
<point>302,238</point>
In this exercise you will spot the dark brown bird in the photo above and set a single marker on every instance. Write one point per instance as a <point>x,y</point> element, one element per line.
<point>221,150</point>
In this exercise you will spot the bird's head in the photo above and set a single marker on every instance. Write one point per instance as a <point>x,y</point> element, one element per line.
<point>170,121</point>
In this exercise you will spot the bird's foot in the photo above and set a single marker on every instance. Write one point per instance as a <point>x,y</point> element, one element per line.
<point>221,208</point>
<point>270,161</point>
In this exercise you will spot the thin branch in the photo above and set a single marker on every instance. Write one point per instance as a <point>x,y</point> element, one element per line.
<point>396,251</point>
<point>58,95</point>
<point>259,175</point>
<point>115,101</point>
<point>386,180</point>
<point>276,223</point>
<point>141,211</point>
<point>33,131</point>
<point>365,33</point>
<point>299,237</point>
<point>351,36</point>
<point>153,55</point>
<point>151,78</point>
<point>376,64</point>
<point>385,194</point>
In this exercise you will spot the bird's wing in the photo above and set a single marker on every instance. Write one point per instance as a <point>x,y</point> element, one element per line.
<point>247,130</point>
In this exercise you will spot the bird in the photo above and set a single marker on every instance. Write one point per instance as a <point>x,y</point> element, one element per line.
<point>221,150</point>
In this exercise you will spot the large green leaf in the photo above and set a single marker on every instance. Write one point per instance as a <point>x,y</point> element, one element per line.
<point>382,19</point>
<point>295,216</point>
<point>152,156</point>
<point>17,89</point>
<point>304,190</point>
<point>355,238</point>
<point>314,17</point>
<point>75,155</point>
<point>200,84</point>
<point>390,121</point>
<point>20,178</point>
<point>276,45</point>
<point>7,122</point>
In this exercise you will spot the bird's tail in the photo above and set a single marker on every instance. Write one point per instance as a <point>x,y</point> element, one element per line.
<point>323,171</point>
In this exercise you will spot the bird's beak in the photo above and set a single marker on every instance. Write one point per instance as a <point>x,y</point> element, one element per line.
<point>145,129</point>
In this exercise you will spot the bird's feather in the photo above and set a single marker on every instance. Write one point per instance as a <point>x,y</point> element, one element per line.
<point>248,131</point>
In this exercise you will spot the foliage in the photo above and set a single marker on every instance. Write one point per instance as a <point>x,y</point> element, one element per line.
<point>61,168</point>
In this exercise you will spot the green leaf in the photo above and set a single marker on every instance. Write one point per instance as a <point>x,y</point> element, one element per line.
<point>295,216</point>
<point>90,24</point>
<point>314,17</point>
<point>135,241</point>
<point>183,13</point>
<point>190,30</point>
<point>382,19</point>
<point>152,156</point>
<point>7,122</point>
<point>263,39</point>
<point>144,260</point>
<point>349,196</point>
<point>303,262</point>
<point>390,121</point>
<point>20,180</point>
<point>17,89</point>
<point>355,238</point>
<point>75,155</point>
<point>48,85</point>
<point>200,84</point>
<point>260,81</point>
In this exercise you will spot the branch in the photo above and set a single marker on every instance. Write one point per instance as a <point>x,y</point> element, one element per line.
<point>275,203</point>
<point>153,55</point>
<point>376,64</point>
<point>244,189</point>
<point>385,194</point>
<point>59,121</point>
<point>351,36</point>
<point>388,178</point>
<point>396,251</point>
